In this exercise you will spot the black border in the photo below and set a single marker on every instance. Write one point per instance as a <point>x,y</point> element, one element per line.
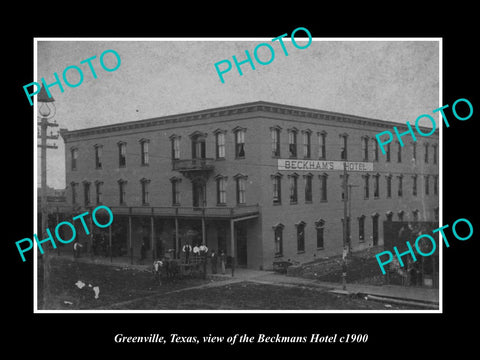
<point>388,333</point>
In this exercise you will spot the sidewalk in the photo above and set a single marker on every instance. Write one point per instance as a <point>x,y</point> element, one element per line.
<point>423,296</point>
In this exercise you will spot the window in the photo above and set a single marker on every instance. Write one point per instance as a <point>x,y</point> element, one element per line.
<point>427,185</point>
<point>145,184</point>
<point>307,145</point>
<point>175,190</point>
<point>375,150</point>
<point>292,142</point>
<point>399,152</point>
<point>414,185</point>
<point>122,193</point>
<point>98,191</point>
<point>199,147</point>
<point>389,186</point>
<point>74,155</point>
<point>122,154</point>
<point>322,140</point>
<point>221,190</point>
<point>308,188</point>
<point>175,147</point>
<point>365,148</point>
<point>300,236</point>
<point>435,153</point>
<point>277,188</point>
<point>98,156</point>
<point>86,193</point>
<point>426,153</point>
<point>323,187</point>
<point>361,228</point>
<point>275,133</point>
<point>239,143</point>
<point>343,146</point>
<point>278,239</point>
<point>366,186</point>
<point>74,192</point>
<point>376,186</point>
<point>293,179</point>
<point>400,186</point>
<point>220,144</point>
<point>241,181</point>
<point>388,152</point>
<point>144,152</point>
<point>435,185</point>
<point>320,227</point>
<point>414,152</point>
<point>344,196</point>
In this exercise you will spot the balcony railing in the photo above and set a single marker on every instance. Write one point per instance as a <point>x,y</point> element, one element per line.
<point>193,164</point>
<point>170,212</point>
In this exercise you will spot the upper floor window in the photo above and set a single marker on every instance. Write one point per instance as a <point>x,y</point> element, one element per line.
<point>388,152</point>
<point>307,143</point>
<point>435,153</point>
<point>86,193</point>
<point>145,193</point>
<point>144,152</point>
<point>175,190</point>
<point>275,134</point>
<point>322,145</point>
<point>241,185</point>
<point>220,144</point>
<point>366,186</point>
<point>175,147</point>
<point>292,142</point>
<point>98,156</point>
<point>122,154</point>
<point>277,188</point>
<point>74,157</point>
<point>293,179</point>
<point>98,191</point>
<point>400,186</point>
<point>365,148</point>
<point>375,151</point>
<point>389,185</point>
<point>239,142</point>
<point>426,153</point>
<point>399,152</point>
<point>278,239</point>
<point>427,185</point>
<point>122,184</point>
<point>343,146</point>
<point>221,182</point>
<point>376,185</point>
<point>414,152</point>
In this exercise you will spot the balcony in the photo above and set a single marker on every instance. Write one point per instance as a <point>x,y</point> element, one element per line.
<point>187,165</point>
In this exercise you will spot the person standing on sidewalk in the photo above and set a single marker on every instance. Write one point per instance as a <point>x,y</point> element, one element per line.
<point>214,262</point>
<point>222,261</point>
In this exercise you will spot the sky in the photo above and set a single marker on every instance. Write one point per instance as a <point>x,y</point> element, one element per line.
<point>387,80</point>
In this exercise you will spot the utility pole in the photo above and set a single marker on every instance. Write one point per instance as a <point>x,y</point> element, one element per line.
<point>345,240</point>
<point>44,124</point>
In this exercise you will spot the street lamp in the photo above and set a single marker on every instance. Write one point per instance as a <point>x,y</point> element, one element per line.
<point>47,111</point>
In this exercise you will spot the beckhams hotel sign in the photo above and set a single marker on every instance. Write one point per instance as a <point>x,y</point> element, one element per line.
<point>322,165</point>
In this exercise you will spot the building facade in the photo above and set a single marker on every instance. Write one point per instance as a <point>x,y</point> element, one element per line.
<point>255,180</point>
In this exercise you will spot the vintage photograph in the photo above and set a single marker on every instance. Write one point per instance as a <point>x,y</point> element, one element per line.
<point>237,174</point>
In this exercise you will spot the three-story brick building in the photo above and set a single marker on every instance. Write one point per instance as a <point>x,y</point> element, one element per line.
<point>218,176</point>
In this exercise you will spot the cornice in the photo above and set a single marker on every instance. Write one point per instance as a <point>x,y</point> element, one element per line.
<point>240,109</point>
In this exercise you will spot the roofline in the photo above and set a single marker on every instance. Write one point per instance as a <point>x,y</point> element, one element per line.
<point>236,109</point>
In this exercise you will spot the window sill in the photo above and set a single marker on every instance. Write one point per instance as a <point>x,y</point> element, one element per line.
<point>277,204</point>
<point>301,252</point>
<point>320,248</point>
<point>144,165</point>
<point>293,202</point>
<point>308,202</point>
<point>324,201</point>
<point>220,159</point>
<point>221,204</point>
<point>277,256</point>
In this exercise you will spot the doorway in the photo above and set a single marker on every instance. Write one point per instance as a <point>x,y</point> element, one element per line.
<point>241,237</point>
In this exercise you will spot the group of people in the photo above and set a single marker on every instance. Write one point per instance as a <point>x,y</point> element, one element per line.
<point>201,251</point>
